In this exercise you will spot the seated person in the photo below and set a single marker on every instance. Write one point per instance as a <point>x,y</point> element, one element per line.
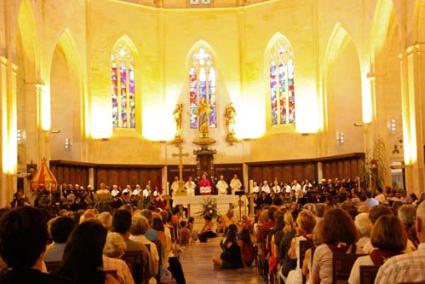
<point>388,239</point>
<point>23,234</point>
<point>408,267</point>
<point>60,229</point>
<point>231,257</point>
<point>205,185</point>
<point>247,247</point>
<point>207,230</point>
<point>184,233</point>
<point>229,219</point>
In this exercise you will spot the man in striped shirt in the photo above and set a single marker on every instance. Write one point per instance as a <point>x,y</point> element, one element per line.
<point>407,267</point>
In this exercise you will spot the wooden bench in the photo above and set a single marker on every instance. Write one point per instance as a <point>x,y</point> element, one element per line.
<point>52,266</point>
<point>368,273</point>
<point>341,266</point>
<point>134,260</point>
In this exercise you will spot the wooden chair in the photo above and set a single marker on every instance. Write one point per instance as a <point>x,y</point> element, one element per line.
<point>134,260</point>
<point>304,246</point>
<point>159,249</point>
<point>368,274</point>
<point>341,266</point>
<point>52,266</point>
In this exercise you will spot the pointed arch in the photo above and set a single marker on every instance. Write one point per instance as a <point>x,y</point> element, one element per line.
<point>30,41</point>
<point>202,83</point>
<point>123,61</point>
<point>337,42</point>
<point>381,21</point>
<point>280,66</point>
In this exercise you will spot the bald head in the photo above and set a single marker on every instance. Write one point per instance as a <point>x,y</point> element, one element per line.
<point>420,222</point>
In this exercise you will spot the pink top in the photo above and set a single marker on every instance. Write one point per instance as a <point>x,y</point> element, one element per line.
<point>204,183</point>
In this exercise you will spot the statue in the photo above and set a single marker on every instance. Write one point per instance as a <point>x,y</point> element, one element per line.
<point>204,114</point>
<point>178,118</point>
<point>229,115</point>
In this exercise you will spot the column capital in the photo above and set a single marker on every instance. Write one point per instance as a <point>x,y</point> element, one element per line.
<point>418,47</point>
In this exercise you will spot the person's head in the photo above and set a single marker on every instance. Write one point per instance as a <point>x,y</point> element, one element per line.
<point>289,222</point>
<point>407,215</point>
<point>318,233</point>
<point>106,219</point>
<point>115,245</point>
<point>164,216</point>
<point>82,257</point>
<point>305,222</point>
<point>338,227</point>
<point>245,236</point>
<point>183,224</point>
<point>157,223</point>
<point>139,225</point>
<point>232,233</point>
<point>363,224</point>
<point>148,214</point>
<point>378,211</point>
<point>61,228</point>
<point>121,221</point>
<point>191,220</point>
<point>279,221</point>
<point>320,210</point>
<point>388,234</point>
<point>23,237</point>
<point>420,222</point>
<point>208,218</point>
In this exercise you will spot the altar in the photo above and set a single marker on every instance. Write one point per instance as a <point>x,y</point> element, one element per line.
<point>194,203</point>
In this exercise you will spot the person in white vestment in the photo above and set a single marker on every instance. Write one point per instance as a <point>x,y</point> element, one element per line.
<point>276,187</point>
<point>235,184</point>
<point>190,186</point>
<point>265,187</point>
<point>222,185</point>
<point>137,191</point>
<point>255,188</point>
<point>175,185</point>
<point>115,191</point>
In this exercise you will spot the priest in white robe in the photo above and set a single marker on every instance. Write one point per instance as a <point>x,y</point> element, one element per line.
<point>276,188</point>
<point>265,188</point>
<point>175,185</point>
<point>235,184</point>
<point>190,186</point>
<point>222,185</point>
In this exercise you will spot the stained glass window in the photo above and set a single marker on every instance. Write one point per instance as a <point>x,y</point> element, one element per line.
<point>202,84</point>
<point>123,88</point>
<point>282,82</point>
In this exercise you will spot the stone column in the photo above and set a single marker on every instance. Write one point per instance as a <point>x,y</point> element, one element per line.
<point>413,116</point>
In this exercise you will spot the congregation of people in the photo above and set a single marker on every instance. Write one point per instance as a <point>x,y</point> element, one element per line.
<point>132,235</point>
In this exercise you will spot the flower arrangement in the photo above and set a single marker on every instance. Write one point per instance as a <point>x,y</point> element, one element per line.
<point>209,207</point>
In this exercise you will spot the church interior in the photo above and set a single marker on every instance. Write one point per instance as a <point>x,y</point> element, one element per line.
<point>163,91</point>
<point>354,91</point>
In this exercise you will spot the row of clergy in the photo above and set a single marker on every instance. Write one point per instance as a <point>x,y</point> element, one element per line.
<point>205,185</point>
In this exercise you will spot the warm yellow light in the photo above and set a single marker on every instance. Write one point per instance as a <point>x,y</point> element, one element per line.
<point>367,106</point>
<point>45,111</point>
<point>158,123</point>
<point>307,108</point>
<point>250,122</point>
<point>101,124</point>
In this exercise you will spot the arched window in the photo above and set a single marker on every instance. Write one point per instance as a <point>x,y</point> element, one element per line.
<point>202,84</point>
<point>282,91</point>
<point>123,88</point>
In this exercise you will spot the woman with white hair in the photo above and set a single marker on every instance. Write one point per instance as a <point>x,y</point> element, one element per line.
<point>113,250</point>
<point>106,219</point>
<point>364,227</point>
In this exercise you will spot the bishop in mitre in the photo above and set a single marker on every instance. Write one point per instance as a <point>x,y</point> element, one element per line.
<point>222,185</point>
<point>235,184</point>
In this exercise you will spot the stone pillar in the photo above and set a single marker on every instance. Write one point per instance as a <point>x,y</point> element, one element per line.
<point>319,171</point>
<point>413,116</point>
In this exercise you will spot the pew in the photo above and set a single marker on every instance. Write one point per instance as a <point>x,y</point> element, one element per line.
<point>368,273</point>
<point>341,266</point>
<point>134,260</point>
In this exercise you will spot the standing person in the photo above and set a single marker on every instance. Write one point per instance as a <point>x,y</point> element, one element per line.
<point>23,240</point>
<point>82,259</point>
<point>190,186</point>
<point>235,184</point>
<point>222,185</point>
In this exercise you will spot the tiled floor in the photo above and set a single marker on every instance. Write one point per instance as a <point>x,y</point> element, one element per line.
<point>198,268</point>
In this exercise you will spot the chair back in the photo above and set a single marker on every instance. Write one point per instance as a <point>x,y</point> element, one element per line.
<point>341,266</point>
<point>368,273</point>
<point>52,266</point>
<point>304,246</point>
<point>134,260</point>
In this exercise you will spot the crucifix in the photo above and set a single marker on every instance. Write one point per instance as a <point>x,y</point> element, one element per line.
<point>180,154</point>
